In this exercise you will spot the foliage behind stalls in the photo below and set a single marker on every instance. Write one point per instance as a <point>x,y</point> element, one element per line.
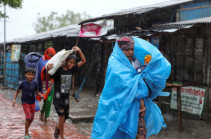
<point>11,3</point>
<point>54,21</point>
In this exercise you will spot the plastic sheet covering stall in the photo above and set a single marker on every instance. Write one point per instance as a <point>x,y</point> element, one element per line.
<point>12,72</point>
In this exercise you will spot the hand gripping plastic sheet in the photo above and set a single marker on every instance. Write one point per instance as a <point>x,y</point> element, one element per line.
<point>118,109</point>
<point>58,59</point>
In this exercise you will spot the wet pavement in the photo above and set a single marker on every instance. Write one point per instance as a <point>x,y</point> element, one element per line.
<point>12,119</point>
<point>192,129</point>
<point>12,123</point>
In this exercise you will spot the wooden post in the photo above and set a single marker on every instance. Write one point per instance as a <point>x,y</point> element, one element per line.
<point>73,81</point>
<point>179,108</point>
<point>179,116</point>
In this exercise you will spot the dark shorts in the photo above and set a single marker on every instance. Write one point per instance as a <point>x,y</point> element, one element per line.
<point>29,110</point>
<point>62,111</point>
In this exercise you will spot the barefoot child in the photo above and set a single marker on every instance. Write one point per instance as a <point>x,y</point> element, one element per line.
<point>62,81</point>
<point>29,88</point>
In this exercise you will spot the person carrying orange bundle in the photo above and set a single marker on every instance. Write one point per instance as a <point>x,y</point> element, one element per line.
<point>45,86</point>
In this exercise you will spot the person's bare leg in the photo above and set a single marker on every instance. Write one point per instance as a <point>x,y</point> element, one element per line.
<point>142,106</point>
<point>46,120</point>
<point>41,116</point>
<point>142,114</point>
<point>27,125</point>
<point>61,126</point>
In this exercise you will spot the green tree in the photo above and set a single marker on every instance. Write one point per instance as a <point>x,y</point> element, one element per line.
<point>54,21</point>
<point>11,3</point>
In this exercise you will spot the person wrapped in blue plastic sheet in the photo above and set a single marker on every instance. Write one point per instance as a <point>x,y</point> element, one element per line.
<point>117,115</point>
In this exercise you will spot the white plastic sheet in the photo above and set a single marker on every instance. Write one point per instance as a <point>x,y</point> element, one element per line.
<point>58,59</point>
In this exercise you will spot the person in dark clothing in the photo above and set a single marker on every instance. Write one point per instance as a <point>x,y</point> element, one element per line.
<point>62,81</point>
<point>29,87</point>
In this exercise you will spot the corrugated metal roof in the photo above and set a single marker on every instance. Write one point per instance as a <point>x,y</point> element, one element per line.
<point>68,31</point>
<point>139,10</point>
<point>205,20</point>
<point>171,29</point>
<point>150,31</point>
<point>71,30</point>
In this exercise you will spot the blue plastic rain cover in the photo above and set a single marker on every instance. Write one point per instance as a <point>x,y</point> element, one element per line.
<point>118,109</point>
<point>32,59</point>
<point>40,65</point>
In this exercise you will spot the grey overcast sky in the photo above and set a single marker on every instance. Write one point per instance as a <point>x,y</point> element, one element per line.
<point>21,20</point>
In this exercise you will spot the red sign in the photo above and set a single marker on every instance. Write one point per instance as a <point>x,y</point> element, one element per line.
<point>90,30</point>
<point>96,29</point>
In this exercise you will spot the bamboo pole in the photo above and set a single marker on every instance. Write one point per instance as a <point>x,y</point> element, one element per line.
<point>73,78</point>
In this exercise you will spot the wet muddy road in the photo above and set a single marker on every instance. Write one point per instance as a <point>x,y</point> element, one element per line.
<point>12,124</point>
<point>12,121</point>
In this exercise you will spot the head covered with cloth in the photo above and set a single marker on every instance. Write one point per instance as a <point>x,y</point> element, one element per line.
<point>49,53</point>
<point>40,74</point>
<point>118,109</point>
<point>125,42</point>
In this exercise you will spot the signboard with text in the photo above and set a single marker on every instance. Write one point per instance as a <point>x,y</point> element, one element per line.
<point>96,29</point>
<point>15,54</point>
<point>192,99</point>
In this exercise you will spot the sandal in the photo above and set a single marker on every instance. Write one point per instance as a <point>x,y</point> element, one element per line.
<point>57,132</point>
<point>27,137</point>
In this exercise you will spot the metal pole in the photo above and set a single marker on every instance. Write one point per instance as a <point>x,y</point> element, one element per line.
<point>5,81</point>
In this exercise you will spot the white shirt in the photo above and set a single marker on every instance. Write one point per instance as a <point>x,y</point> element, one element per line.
<point>136,64</point>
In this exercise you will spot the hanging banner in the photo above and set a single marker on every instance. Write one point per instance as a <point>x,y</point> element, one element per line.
<point>192,99</point>
<point>96,29</point>
<point>15,55</point>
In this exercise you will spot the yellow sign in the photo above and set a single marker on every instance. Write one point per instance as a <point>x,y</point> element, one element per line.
<point>15,55</point>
